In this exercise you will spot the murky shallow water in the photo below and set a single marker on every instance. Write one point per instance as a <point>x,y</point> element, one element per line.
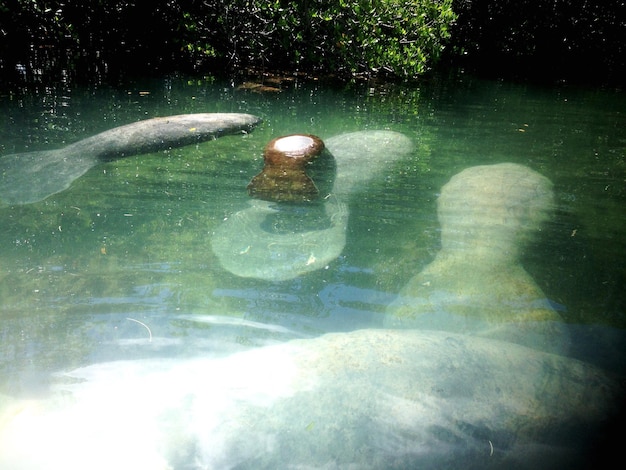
<point>120,265</point>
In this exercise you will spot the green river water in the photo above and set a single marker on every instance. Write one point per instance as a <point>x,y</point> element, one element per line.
<point>120,266</point>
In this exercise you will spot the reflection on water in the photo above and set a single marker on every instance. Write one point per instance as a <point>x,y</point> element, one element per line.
<point>120,267</point>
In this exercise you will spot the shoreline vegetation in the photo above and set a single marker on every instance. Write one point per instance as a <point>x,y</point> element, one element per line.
<point>43,41</point>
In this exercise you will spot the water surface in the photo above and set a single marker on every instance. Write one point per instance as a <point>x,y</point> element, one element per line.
<point>119,266</point>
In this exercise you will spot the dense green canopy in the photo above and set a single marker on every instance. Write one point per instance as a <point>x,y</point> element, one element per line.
<point>554,39</point>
